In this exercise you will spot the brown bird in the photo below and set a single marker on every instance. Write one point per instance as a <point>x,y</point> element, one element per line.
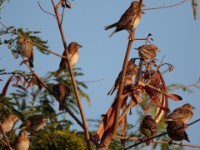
<point>73,54</point>
<point>8,122</point>
<point>25,48</point>
<point>147,51</point>
<point>129,20</point>
<point>22,141</point>
<point>34,123</point>
<point>176,131</point>
<point>183,113</point>
<point>61,91</point>
<point>130,75</point>
<point>148,127</point>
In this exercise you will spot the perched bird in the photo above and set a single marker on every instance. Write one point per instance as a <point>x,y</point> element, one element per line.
<point>25,48</point>
<point>8,122</point>
<point>130,75</point>
<point>147,51</point>
<point>176,131</point>
<point>148,127</point>
<point>34,123</point>
<point>73,55</point>
<point>129,20</point>
<point>183,113</point>
<point>22,141</point>
<point>61,91</point>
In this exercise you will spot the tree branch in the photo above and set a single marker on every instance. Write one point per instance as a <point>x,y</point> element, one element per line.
<point>156,141</point>
<point>166,6</point>
<point>136,144</point>
<point>72,74</point>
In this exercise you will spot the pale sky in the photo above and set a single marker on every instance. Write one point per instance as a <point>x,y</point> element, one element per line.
<point>174,30</point>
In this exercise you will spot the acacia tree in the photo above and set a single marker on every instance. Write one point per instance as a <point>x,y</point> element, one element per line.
<point>33,94</point>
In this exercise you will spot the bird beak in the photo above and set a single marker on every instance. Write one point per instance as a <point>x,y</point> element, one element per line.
<point>80,45</point>
<point>193,107</point>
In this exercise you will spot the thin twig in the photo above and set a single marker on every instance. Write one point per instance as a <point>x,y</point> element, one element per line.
<point>166,6</point>
<point>136,144</point>
<point>156,141</point>
<point>45,10</point>
<point>72,74</point>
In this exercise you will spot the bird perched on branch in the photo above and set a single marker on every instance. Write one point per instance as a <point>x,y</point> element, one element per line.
<point>22,141</point>
<point>8,122</point>
<point>34,123</point>
<point>129,20</point>
<point>183,113</point>
<point>130,75</point>
<point>25,48</point>
<point>176,131</point>
<point>61,91</point>
<point>148,51</point>
<point>148,127</point>
<point>73,55</point>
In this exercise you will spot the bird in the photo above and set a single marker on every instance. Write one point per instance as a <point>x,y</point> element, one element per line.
<point>8,122</point>
<point>129,20</point>
<point>22,141</point>
<point>61,91</point>
<point>148,51</point>
<point>34,123</point>
<point>183,113</point>
<point>73,55</point>
<point>25,48</point>
<point>176,131</point>
<point>130,75</point>
<point>148,127</point>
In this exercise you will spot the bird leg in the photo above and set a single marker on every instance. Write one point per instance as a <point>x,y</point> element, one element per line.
<point>131,36</point>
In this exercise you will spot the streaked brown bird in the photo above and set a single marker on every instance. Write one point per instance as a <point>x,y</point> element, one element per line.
<point>148,127</point>
<point>176,131</point>
<point>130,75</point>
<point>73,54</point>
<point>25,48</point>
<point>34,123</point>
<point>129,20</point>
<point>8,122</point>
<point>183,113</point>
<point>148,51</point>
<point>22,141</point>
<point>61,91</point>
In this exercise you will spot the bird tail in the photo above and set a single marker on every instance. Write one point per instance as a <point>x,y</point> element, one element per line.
<point>112,33</point>
<point>111,91</point>
<point>110,26</point>
<point>31,63</point>
<point>148,142</point>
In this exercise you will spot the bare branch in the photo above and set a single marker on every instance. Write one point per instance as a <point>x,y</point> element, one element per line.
<point>72,74</point>
<point>166,6</point>
<point>45,10</point>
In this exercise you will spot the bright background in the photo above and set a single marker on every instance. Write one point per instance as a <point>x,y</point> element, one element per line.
<point>174,31</point>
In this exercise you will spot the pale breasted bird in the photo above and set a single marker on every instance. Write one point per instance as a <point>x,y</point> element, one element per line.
<point>129,20</point>
<point>148,127</point>
<point>22,141</point>
<point>176,131</point>
<point>73,55</point>
<point>183,113</point>
<point>25,48</point>
<point>147,51</point>
<point>34,123</point>
<point>8,122</point>
<point>130,75</point>
<point>61,91</point>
